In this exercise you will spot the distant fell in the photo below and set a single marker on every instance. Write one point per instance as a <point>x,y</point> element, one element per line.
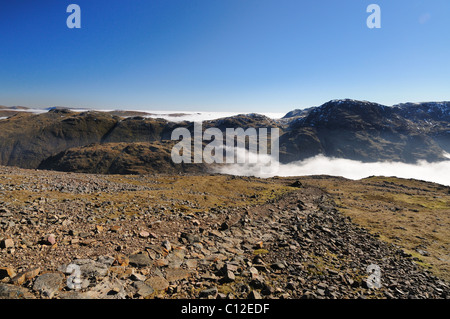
<point>64,139</point>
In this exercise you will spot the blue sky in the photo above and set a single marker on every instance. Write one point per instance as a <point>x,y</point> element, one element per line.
<point>222,55</point>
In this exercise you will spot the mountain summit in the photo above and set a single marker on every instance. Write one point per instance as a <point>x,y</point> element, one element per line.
<point>369,132</point>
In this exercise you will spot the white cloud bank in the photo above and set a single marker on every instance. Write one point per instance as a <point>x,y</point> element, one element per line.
<point>438,172</point>
<point>173,116</point>
<point>202,116</point>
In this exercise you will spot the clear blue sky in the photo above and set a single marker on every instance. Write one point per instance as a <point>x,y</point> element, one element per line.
<point>222,55</point>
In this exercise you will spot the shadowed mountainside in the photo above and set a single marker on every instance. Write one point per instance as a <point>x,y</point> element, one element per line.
<point>96,141</point>
<point>369,132</point>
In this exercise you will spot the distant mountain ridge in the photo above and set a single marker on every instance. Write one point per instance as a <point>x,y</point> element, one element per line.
<point>369,132</point>
<point>439,111</point>
<point>62,139</point>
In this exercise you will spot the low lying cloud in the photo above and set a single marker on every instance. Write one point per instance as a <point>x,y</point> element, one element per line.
<point>438,172</point>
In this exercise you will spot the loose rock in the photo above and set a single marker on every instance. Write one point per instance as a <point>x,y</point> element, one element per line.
<point>48,284</point>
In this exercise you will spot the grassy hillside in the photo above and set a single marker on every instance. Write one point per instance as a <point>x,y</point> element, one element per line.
<point>412,214</point>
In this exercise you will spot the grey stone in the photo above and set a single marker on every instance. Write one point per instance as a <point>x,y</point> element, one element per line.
<point>73,295</point>
<point>7,243</point>
<point>190,238</point>
<point>106,260</point>
<point>84,234</point>
<point>138,277</point>
<point>231,267</point>
<point>278,266</point>
<point>91,268</point>
<point>322,285</point>
<point>174,274</point>
<point>208,292</point>
<point>174,260</point>
<point>143,289</point>
<point>321,292</point>
<point>157,283</point>
<point>8,291</point>
<point>229,276</point>
<point>140,260</point>
<point>48,284</point>
<point>108,288</point>
<point>191,263</point>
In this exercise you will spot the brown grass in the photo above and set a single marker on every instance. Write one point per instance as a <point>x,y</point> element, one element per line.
<point>409,213</point>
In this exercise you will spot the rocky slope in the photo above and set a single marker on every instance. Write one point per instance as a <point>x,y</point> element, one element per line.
<point>120,158</point>
<point>286,240</point>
